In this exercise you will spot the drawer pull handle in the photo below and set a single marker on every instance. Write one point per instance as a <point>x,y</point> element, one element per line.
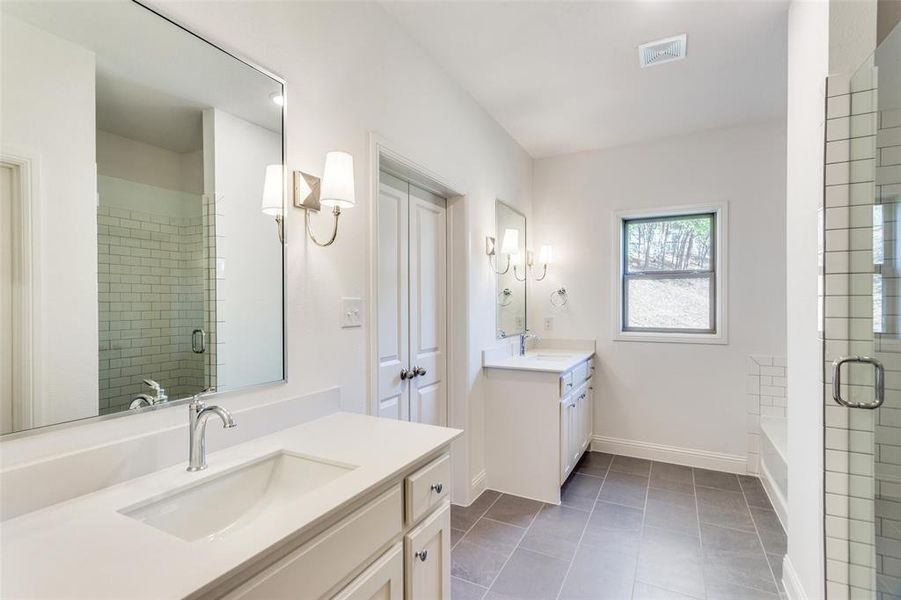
<point>422,555</point>
<point>437,487</point>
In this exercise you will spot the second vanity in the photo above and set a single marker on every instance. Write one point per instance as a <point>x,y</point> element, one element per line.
<point>345,506</point>
<point>538,416</point>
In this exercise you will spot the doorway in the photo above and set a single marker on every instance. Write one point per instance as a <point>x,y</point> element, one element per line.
<point>411,328</point>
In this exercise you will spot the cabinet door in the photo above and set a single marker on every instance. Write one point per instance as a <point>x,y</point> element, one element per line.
<point>384,580</point>
<point>566,437</point>
<point>587,416</point>
<point>427,558</point>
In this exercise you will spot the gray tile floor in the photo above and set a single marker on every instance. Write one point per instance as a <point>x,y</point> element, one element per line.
<point>627,529</point>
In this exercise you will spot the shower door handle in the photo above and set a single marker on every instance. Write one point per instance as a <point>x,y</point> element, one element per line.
<point>878,382</point>
<point>201,347</point>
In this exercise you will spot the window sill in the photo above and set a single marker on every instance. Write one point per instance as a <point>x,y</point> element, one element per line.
<point>670,338</point>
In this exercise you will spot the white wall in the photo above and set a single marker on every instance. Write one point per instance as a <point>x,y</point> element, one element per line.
<point>351,70</point>
<point>248,252</point>
<point>687,396</point>
<point>807,69</point>
<point>128,159</point>
<point>47,112</point>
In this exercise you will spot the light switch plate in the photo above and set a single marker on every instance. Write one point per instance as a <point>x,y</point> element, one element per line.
<point>351,312</point>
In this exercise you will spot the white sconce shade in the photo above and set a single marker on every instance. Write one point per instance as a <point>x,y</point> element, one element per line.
<point>272,191</point>
<point>510,244</point>
<point>338,181</point>
<point>545,255</point>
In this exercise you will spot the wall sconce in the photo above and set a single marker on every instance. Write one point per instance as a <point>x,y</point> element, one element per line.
<point>272,198</point>
<point>544,258</point>
<point>310,193</point>
<point>336,189</point>
<point>509,247</point>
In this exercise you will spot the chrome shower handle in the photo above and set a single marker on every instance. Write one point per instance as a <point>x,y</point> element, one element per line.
<point>195,347</point>
<point>878,382</point>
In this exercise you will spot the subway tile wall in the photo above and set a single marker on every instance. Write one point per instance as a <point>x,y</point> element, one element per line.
<point>151,275</point>
<point>766,386</point>
<point>863,544</point>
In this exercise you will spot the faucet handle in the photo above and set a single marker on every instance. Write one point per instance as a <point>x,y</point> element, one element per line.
<point>156,387</point>
<point>198,399</point>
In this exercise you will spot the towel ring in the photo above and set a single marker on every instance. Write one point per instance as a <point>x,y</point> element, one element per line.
<point>505,297</point>
<point>559,298</point>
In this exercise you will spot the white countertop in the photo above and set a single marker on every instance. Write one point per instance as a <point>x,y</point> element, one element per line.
<point>84,548</point>
<point>544,360</point>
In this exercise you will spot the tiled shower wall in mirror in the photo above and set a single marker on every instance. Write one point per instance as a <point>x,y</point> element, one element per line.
<point>150,284</point>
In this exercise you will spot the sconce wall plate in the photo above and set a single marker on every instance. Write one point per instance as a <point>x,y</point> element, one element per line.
<point>302,182</point>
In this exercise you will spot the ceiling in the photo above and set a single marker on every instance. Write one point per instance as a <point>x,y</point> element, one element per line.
<point>154,79</point>
<point>563,77</point>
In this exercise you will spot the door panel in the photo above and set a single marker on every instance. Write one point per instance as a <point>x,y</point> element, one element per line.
<point>427,558</point>
<point>428,303</point>
<point>6,297</point>
<point>393,293</point>
<point>384,580</point>
<point>862,306</point>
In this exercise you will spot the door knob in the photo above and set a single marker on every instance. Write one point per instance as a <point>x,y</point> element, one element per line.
<point>405,374</point>
<point>422,555</point>
<point>418,371</point>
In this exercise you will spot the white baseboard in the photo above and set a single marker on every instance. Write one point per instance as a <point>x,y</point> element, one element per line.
<point>731,463</point>
<point>478,485</point>
<point>779,502</point>
<point>790,581</point>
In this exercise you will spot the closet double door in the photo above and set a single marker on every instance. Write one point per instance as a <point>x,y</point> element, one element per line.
<point>411,302</point>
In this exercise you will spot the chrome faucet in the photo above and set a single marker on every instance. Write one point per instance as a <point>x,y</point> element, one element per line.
<point>525,337</point>
<point>198,414</point>
<point>157,395</point>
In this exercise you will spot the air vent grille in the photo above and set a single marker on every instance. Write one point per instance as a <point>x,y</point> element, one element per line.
<point>662,51</point>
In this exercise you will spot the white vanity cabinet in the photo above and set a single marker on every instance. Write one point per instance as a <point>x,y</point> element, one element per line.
<point>393,546</point>
<point>539,415</point>
<point>575,427</point>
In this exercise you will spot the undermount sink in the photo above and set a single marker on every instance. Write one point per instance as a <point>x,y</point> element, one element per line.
<point>549,356</point>
<point>216,506</point>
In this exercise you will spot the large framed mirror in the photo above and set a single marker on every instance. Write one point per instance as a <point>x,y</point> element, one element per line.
<point>510,226</point>
<point>139,256</point>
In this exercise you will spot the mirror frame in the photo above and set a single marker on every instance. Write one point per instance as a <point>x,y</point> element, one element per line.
<point>249,388</point>
<point>525,284</point>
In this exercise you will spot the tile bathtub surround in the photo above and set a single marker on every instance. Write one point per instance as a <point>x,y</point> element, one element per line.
<point>766,385</point>
<point>150,300</point>
<point>626,529</point>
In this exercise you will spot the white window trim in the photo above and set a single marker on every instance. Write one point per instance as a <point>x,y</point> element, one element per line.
<point>721,212</point>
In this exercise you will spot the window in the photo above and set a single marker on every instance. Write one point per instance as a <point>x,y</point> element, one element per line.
<point>670,281</point>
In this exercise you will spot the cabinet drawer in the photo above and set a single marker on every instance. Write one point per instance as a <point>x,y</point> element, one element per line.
<point>318,566</point>
<point>383,580</point>
<point>581,373</point>
<point>426,488</point>
<point>566,383</point>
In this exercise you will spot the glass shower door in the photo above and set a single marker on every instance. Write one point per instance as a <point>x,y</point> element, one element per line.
<point>862,294</point>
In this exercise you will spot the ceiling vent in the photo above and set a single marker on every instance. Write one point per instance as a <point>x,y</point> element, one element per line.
<point>662,51</point>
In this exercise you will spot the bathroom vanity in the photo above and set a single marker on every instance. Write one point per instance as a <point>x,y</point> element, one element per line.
<point>346,506</point>
<point>538,412</point>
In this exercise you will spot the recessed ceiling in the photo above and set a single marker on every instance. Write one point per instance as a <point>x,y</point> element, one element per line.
<point>564,77</point>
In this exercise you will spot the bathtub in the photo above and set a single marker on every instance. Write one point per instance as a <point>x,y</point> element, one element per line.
<point>774,463</point>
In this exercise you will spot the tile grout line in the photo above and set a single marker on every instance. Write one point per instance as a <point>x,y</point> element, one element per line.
<point>759,539</point>
<point>644,512</point>
<point>584,529</point>
<point>694,486</point>
<point>479,518</point>
<point>515,548</point>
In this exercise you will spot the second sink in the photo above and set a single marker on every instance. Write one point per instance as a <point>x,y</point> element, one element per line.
<point>222,503</point>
